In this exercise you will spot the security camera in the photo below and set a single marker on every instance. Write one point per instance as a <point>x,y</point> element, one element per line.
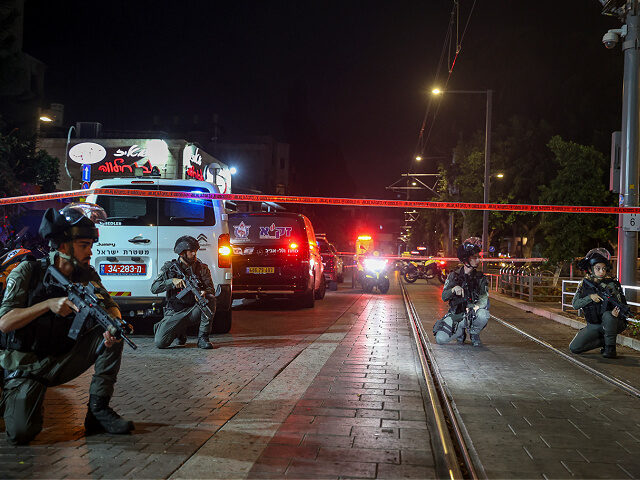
<point>612,37</point>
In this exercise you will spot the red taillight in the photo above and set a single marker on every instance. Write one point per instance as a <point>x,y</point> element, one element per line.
<point>293,246</point>
<point>224,251</point>
<point>442,263</point>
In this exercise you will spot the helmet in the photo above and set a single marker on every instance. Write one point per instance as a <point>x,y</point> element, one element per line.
<point>76,220</point>
<point>186,242</point>
<point>471,246</point>
<point>593,257</point>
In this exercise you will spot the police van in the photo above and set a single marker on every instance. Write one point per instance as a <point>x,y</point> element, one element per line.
<point>139,235</point>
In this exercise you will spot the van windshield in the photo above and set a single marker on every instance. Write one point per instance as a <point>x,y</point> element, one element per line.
<point>148,211</point>
<point>266,229</point>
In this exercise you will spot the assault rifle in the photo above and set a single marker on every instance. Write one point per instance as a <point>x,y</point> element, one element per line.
<point>88,303</point>
<point>192,285</point>
<point>608,298</point>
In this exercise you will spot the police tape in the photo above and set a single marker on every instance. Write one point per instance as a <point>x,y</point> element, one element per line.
<point>346,202</point>
<point>448,259</point>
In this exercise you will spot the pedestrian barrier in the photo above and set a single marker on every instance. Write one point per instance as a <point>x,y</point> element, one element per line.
<point>529,283</point>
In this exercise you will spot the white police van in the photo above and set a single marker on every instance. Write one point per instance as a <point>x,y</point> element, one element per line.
<point>139,235</point>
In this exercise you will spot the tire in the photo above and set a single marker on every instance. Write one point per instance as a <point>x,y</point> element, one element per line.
<point>442,277</point>
<point>221,322</point>
<point>320,293</point>
<point>333,286</point>
<point>429,274</point>
<point>307,299</point>
<point>340,278</point>
<point>367,287</point>
<point>411,277</point>
<point>384,285</point>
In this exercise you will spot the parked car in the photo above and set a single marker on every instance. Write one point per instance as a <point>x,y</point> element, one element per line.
<point>333,264</point>
<point>139,235</point>
<point>276,255</point>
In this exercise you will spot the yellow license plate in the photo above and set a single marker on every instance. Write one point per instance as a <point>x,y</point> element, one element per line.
<point>261,270</point>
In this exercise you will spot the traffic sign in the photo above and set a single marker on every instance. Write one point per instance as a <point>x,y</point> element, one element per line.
<point>85,185</point>
<point>631,222</point>
<point>86,172</point>
<point>492,249</point>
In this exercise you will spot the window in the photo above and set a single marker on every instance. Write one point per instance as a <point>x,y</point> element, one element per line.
<point>185,212</point>
<point>131,211</point>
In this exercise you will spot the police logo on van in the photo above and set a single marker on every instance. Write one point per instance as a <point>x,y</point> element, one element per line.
<point>274,233</point>
<point>241,231</point>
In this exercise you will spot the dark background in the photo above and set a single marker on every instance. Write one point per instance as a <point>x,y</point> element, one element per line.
<point>345,83</point>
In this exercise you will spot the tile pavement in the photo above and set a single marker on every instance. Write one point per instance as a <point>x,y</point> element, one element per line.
<point>333,393</point>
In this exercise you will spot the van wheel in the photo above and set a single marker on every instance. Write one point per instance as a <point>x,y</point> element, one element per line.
<point>322,290</point>
<point>307,300</point>
<point>221,322</point>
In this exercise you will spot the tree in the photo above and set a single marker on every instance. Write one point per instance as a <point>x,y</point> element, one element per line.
<point>579,181</point>
<point>23,170</point>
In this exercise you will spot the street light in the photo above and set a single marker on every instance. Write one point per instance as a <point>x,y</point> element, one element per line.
<point>487,157</point>
<point>418,158</point>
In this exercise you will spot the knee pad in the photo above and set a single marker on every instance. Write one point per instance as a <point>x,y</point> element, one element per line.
<point>442,338</point>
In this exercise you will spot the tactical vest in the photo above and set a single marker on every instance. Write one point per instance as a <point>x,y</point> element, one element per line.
<point>46,335</point>
<point>593,311</point>
<point>470,284</point>
<point>188,301</point>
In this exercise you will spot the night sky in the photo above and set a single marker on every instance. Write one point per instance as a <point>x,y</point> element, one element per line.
<point>346,80</point>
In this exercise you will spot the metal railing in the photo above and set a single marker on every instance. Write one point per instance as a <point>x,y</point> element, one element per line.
<point>528,283</point>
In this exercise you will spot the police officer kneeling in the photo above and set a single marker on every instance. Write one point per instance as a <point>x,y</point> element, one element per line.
<point>35,317</point>
<point>468,296</point>
<point>180,313</point>
<point>604,320</point>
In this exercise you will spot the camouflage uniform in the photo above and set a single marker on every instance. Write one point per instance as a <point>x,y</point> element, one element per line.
<point>180,314</point>
<point>602,327</point>
<point>29,373</point>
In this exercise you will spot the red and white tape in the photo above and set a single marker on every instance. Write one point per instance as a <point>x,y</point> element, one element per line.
<point>350,202</point>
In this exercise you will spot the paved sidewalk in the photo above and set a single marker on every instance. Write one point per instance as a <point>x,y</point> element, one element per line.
<point>350,405</point>
<point>328,392</point>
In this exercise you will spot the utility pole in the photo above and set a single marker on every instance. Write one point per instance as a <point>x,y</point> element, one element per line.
<point>627,239</point>
<point>487,177</point>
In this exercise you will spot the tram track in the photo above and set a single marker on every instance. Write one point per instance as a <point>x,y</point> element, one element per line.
<point>454,453</point>
<point>631,390</point>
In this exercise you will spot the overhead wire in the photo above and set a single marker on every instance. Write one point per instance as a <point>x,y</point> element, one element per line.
<point>454,18</point>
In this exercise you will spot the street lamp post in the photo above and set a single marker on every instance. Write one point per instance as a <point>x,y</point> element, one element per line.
<point>487,159</point>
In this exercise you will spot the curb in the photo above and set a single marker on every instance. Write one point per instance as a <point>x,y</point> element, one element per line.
<point>577,324</point>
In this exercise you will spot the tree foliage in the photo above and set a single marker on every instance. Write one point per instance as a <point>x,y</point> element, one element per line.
<point>579,181</point>
<point>23,169</point>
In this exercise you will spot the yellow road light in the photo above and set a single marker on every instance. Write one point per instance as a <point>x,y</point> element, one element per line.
<point>500,175</point>
<point>45,118</point>
<point>418,158</point>
<point>436,91</point>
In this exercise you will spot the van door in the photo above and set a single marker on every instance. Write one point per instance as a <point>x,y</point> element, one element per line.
<point>187,216</point>
<point>126,254</point>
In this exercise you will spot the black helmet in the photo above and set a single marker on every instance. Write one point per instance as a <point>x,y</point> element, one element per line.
<point>593,257</point>
<point>76,220</point>
<point>471,246</point>
<point>186,242</point>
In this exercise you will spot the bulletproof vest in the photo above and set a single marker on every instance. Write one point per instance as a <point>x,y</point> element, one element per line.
<point>48,334</point>
<point>188,300</point>
<point>593,311</point>
<point>470,284</point>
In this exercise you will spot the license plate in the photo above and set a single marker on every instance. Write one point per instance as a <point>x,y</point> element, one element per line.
<point>260,270</point>
<point>122,269</point>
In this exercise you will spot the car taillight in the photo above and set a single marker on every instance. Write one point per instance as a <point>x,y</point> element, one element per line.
<point>442,262</point>
<point>224,251</point>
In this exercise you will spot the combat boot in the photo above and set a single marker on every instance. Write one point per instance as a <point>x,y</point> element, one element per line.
<point>462,337</point>
<point>609,351</point>
<point>475,340</point>
<point>204,343</point>
<point>182,339</point>
<point>101,418</point>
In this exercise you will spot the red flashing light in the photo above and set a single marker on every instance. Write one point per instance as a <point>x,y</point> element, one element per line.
<point>293,246</point>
